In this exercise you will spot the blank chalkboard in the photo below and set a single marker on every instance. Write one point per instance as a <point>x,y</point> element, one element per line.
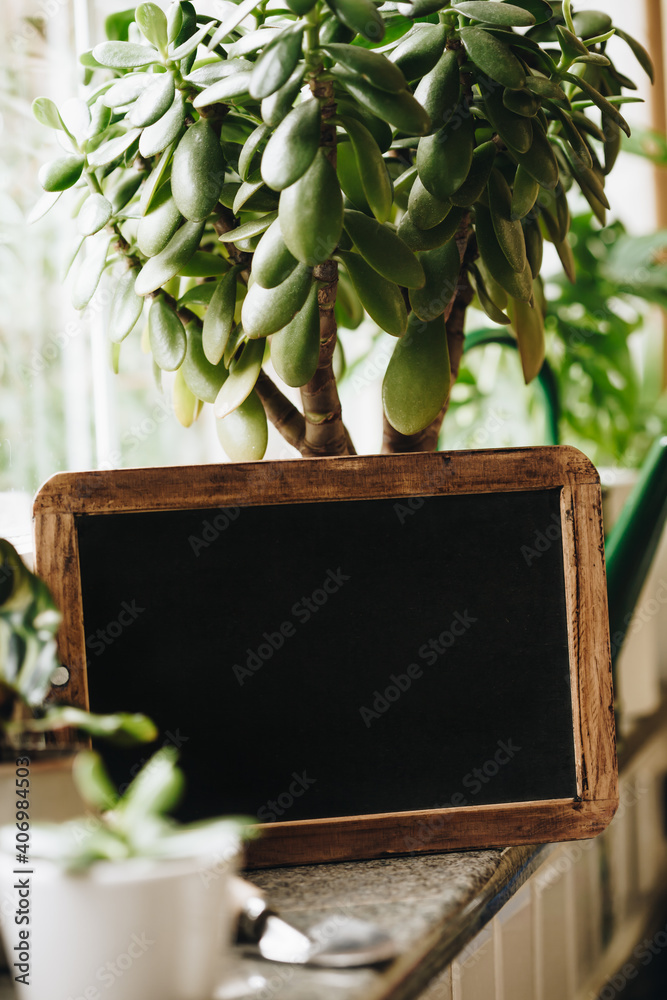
<point>348,649</point>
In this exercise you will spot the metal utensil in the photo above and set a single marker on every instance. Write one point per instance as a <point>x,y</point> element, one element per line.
<point>337,942</point>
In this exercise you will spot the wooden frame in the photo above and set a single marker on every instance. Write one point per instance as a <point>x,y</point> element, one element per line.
<point>67,496</point>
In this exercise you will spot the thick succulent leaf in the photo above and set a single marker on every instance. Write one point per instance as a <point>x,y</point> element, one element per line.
<point>493,56</point>
<point>272,262</point>
<point>159,225</point>
<point>166,335</point>
<point>276,63</point>
<point>361,16</point>
<point>640,53</point>
<point>90,269</point>
<point>93,214</point>
<point>425,210</point>
<point>198,171</point>
<point>153,23</point>
<point>250,147</point>
<point>420,50</point>
<point>124,55</point>
<point>126,307</point>
<point>292,147</point>
<point>493,12</point>
<point>154,102</point>
<point>244,433</point>
<point>267,310</point>
<point>295,350</point>
<point>114,148</point>
<point>528,325</point>
<point>509,232</point>
<point>384,250</point>
<point>444,159</point>
<point>202,378</point>
<point>242,378</point>
<point>524,193</point>
<point>231,21</point>
<point>539,160</point>
<point>515,130</point>
<point>519,286</point>
<point>374,67</point>
<point>438,92</point>
<point>127,89</point>
<point>372,169</point>
<point>596,97</point>
<point>400,110</point>
<point>471,190</point>
<point>382,299</point>
<point>166,130</point>
<point>168,263</point>
<point>249,229</point>
<point>429,239</point>
<point>442,268</point>
<point>61,173</point>
<point>417,381</point>
<point>275,107</point>
<point>219,318</point>
<point>311,213</point>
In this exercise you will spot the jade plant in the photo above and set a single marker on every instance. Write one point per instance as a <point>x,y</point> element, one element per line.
<point>248,183</point>
<point>29,621</point>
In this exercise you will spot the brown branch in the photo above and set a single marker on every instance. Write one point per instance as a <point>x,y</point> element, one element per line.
<point>325,431</point>
<point>283,415</point>
<point>427,439</point>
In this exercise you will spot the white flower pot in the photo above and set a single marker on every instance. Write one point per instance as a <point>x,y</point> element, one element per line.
<point>131,930</point>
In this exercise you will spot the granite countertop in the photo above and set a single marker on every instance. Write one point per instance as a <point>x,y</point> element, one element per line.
<point>432,905</point>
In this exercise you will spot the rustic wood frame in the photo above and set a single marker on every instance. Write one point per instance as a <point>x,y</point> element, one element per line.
<point>68,495</point>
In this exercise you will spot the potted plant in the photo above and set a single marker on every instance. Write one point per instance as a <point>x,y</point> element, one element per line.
<point>250,182</point>
<point>122,902</point>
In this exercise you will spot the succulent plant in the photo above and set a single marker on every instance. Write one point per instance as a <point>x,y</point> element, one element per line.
<point>273,173</point>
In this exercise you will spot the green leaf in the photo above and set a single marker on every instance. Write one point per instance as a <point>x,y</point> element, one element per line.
<point>90,270</point>
<point>126,307</point>
<point>272,262</point>
<point>361,16</point>
<point>640,53</point>
<point>425,210</point>
<point>545,88</point>
<point>186,405</point>
<point>380,130</point>
<point>242,378</point>
<point>93,214</point>
<point>374,67</point>
<point>93,782</point>
<point>154,102</point>
<point>250,147</point>
<point>524,195</point>
<point>417,381</point>
<point>202,378</point>
<point>509,232</point>
<point>493,12</point>
<point>166,130</point>
<point>249,229</point>
<point>113,149</point>
<point>521,102</point>
<point>429,239</point>
<point>528,326</point>
<point>267,310</point>
<point>540,9</point>
<point>153,24</point>
<point>124,55</point>
<point>232,21</point>
<point>174,21</point>
<point>439,91</point>
<point>46,113</point>
<point>472,188</point>
<point>190,44</point>
<point>590,23</point>
<point>493,57</point>
<point>244,433</point>
<point>219,318</point>
<point>493,311</point>
<point>442,268</point>
<point>295,350</point>
<point>400,110</point>
<point>198,171</point>
<point>275,107</point>
<point>153,189</point>
<point>517,285</point>
<point>384,250</point>
<point>444,159</point>
<point>155,791</point>
<point>171,260</point>
<point>515,130</point>
<point>166,335</point>
<point>602,103</point>
<point>419,50</point>
<point>539,160</point>
<point>228,90</point>
<point>61,173</point>
<point>292,148</point>
<point>381,299</point>
<point>311,213</point>
<point>42,206</point>
<point>204,265</point>
<point>127,89</point>
<point>372,169</point>
<point>277,62</point>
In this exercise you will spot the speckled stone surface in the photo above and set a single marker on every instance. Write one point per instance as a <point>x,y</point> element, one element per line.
<point>432,905</point>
